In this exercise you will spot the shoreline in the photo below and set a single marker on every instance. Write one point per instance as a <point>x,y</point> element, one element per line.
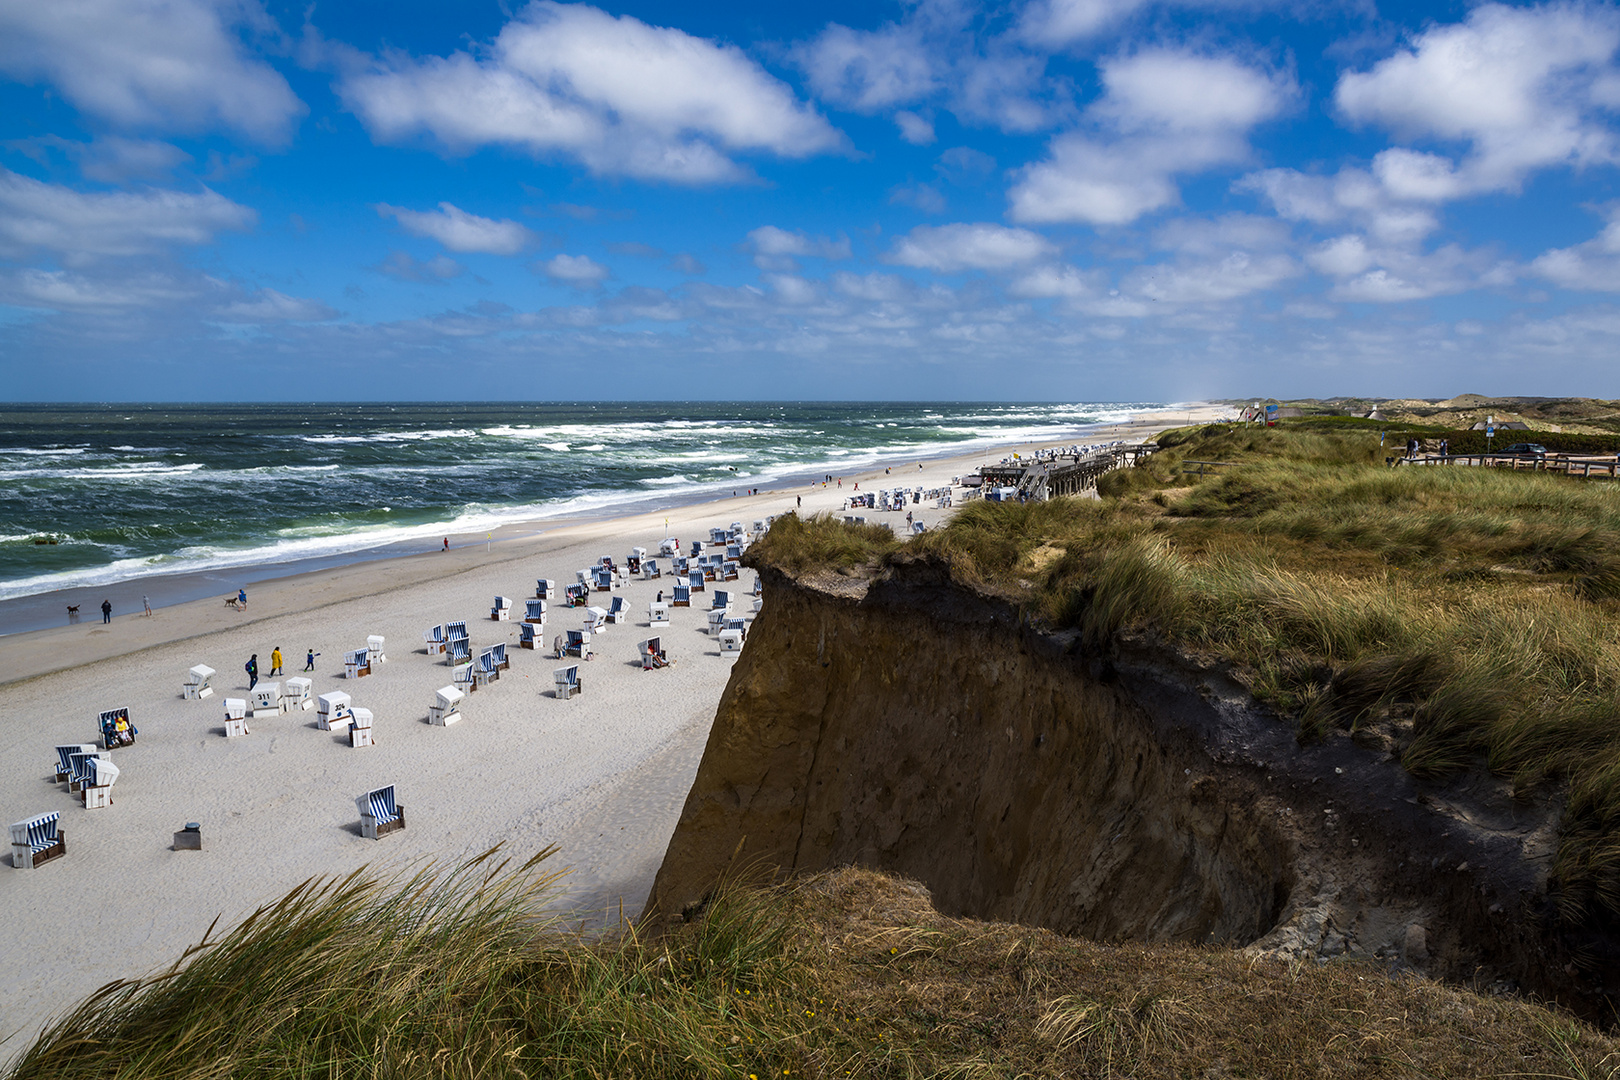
<point>200,591</point>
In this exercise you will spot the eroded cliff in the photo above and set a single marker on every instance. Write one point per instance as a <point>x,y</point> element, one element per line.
<point>911,725</point>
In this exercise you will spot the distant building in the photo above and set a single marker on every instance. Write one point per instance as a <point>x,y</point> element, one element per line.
<point>1505,425</point>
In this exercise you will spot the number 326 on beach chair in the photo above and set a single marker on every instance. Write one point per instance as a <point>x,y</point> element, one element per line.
<point>37,840</point>
<point>379,813</point>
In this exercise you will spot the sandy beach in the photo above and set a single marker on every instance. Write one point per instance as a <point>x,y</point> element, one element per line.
<point>602,775</point>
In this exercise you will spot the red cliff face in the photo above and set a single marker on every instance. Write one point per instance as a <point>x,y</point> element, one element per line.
<point>910,725</point>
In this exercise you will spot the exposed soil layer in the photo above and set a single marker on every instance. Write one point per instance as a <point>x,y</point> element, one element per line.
<point>910,725</point>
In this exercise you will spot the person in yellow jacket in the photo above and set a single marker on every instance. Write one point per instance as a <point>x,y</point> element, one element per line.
<point>275,660</point>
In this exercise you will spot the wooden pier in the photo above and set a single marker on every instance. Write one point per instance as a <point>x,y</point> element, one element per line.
<point>1067,474</point>
<point>1582,465</point>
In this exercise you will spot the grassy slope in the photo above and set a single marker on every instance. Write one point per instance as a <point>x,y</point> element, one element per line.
<point>842,974</point>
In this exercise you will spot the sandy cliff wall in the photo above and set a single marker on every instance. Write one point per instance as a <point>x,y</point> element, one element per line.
<point>910,725</point>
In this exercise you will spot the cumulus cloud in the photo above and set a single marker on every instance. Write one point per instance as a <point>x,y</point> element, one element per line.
<point>179,65</point>
<point>581,271</point>
<point>460,231</point>
<point>952,248</point>
<point>617,94</point>
<point>80,225</point>
<point>268,305</point>
<point>110,159</point>
<point>775,249</point>
<point>1590,267</point>
<point>1524,88</point>
<point>1164,113</point>
<point>65,290</point>
<point>913,128</point>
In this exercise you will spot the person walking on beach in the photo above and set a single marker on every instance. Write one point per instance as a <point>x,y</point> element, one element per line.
<point>275,661</point>
<point>241,599</point>
<point>447,543</point>
<point>106,612</point>
<point>146,602</point>
<point>798,501</point>
<point>252,669</point>
<point>309,661</point>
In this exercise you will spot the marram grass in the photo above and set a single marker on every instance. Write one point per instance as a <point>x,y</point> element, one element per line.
<point>847,973</point>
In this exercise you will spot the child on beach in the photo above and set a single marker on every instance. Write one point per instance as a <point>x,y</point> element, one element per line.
<point>309,661</point>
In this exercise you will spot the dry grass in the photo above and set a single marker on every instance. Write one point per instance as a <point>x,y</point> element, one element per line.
<point>846,973</point>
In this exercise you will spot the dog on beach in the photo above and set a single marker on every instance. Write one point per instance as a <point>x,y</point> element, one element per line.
<point>230,602</point>
<point>73,609</point>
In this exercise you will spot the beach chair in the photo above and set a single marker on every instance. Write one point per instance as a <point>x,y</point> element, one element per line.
<point>759,527</point>
<point>534,611</point>
<point>618,611</point>
<point>498,650</point>
<point>197,687</point>
<point>730,571</point>
<point>486,670</point>
<point>77,769</point>
<point>633,563</point>
<point>374,645</point>
<point>719,537</point>
<point>917,527</point>
<point>698,548</point>
<point>116,730</point>
<point>731,641</point>
<point>735,622</point>
<point>445,708</point>
<point>95,778</point>
<point>596,619</point>
<point>531,635</point>
<point>759,587</point>
<point>360,730</point>
<point>501,610</point>
<point>461,676</point>
<point>575,595</point>
<point>266,700</point>
<point>711,571</point>
<point>545,588</point>
<point>650,570</point>
<point>577,643</point>
<point>717,616</point>
<point>669,547</point>
<point>458,651</point>
<point>733,552</point>
<point>658,613</point>
<point>37,841</point>
<point>333,711</point>
<point>236,718</point>
<point>568,683</point>
<point>681,596</point>
<point>379,813</point>
<point>680,565</point>
<point>759,604</point>
<point>434,637</point>
<point>299,695</point>
<point>357,664</point>
<point>695,580</point>
<point>456,631</point>
<point>64,756</point>
<point>720,600</point>
<point>603,577</point>
<point>583,577</point>
<point>651,653</point>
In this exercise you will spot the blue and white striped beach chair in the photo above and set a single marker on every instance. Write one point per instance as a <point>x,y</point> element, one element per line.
<point>730,571</point>
<point>694,580</point>
<point>531,635</point>
<point>433,637</point>
<point>650,569</point>
<point>457,651</point>
<point>116,730</point>
<point>81,769</point>
<point>721,601</point>
<point>379,813</point>
<point>499,652</point>
<point>534,611</point>
<point>577,643</point>
<point>602,577</point>
<point>456,631</point>
<point>681,596</point>
<point>486,670</point>
<point>96,776</point>
<point>567,679</point>
<point>37,840</point>
<point>501,609</point>
<point>64,759</point>
<point>618,611</point>
<point>545,588</point>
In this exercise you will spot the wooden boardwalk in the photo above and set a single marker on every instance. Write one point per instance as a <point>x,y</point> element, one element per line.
<point>1067,474</point>
<point>1585,466</point>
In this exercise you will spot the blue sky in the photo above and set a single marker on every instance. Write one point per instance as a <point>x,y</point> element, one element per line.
<point>1073,199</point>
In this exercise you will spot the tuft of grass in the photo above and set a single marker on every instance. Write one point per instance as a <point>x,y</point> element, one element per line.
<point>843,973</point>
<point>797,544</point>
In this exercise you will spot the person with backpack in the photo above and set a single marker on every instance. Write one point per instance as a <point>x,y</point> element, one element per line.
<point>252,669</point>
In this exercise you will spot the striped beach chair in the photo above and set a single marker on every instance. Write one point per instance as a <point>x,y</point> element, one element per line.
<point>499,652</point>
<point>456,631</point>
<point>434,637</point>
<point>116,730</point>
<point>534,611</point>
<point>545,588</point>
<point>37,840</point>
<point>618,611</point>
<point>531,635</point>
<point>602,578</point>
<point>380,814</point>
<point>83,769</point>
<point>720,601</point>
<point>730,571</point>
<point>681,596</point>
<point>457,651</point>
<point>486,670</point>
<point>633,563</point>
<point>577,643</point>
<point>501,610</point>
<point>461,676</point>
<point>95,777</point>
<point>64,759</point>
<point>650,570</point>
<point>574,595</point>
<point>357,664</point>
<point>652,654</point>
<point>694,580</point>
<point>567,679</point>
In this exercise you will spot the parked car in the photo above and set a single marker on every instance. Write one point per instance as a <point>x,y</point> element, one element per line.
<point>1526,449</point>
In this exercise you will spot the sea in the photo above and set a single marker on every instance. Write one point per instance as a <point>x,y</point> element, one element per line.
<point>215,496</point>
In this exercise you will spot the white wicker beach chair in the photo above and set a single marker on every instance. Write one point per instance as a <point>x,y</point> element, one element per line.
<point>374,645</point>
<point>380,814</point>
<point>545,588</point>
<point>681,596</point>
<point>618,611</point>
<point>434,637</point>
<point>650,570</point>
<point>531,635</point>
<point>717,616</point>
<point>445,709</point>
<point>578,644</point>
<point>197,687</point>
<point>633,563</point>
<point>298,695</point>
<point>357,664</point>
<point>567,679</point>
<point>596,619</point>
<point>37,841</point>
<point>96,777</point>
<point>501,610</point>
<point>652,654</point>
<point>658,613</point>
<point>360,731</point>
<point>534,611</point>
<point>462,676</point>
<point>236,718</point>
<point>731,641</point>
<point>265,700</point>
<point>669,547</point>
<point>498,650</point>
<point>333,711</point>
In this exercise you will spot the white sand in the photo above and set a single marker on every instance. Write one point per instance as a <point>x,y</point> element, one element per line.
<point>603,775</point>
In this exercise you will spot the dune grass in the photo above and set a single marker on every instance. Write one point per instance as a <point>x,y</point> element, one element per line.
<point>845,973</point>
<point>1459,617</point>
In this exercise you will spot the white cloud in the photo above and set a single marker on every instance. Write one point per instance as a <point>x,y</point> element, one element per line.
<point>1518,85</point>
<point>621,96</point>
<point>1350,195</point>
<point>871,70</point>
<point>65,290</point>
<point>400,264</point>
<point>775,249</point>
<point>268,305</point>
<point>1053,281</point>
<point>1164,113</point>
<point>460,231</point>
<point>1342,256</point>
<point>109,159</point>
<point>178,65</point>
<point>80,225</point>
<point>950,248</point>
<point>924,197</point>
<point>579,270</point>
<point>1237,274</point>
<point>1590,267</point>
<point>913,128</point>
